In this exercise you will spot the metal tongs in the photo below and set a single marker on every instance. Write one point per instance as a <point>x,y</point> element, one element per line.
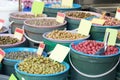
<point>102,50</point>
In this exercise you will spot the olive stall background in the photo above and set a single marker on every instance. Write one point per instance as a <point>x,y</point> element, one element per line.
<point>50,43</point>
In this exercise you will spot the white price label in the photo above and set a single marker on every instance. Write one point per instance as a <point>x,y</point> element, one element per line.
<point>18,33</point>
<point>117,16</point>
<point>59,53</point>
<point>40,48</point>
<point>1,23</point>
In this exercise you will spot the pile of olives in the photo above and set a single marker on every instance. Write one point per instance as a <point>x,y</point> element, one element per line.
<point>20,55</point>
<point>59,6</point>
<point>25,15</point>
<point>77,14</point>
<point>64,35</point>
<point>43,22</point>
<point>4,40</point>
<point>40,65</point>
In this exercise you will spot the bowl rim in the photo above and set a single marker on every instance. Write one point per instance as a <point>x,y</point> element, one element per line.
<point>74,7</point>
<point>33,26</point>
<point>94,13</point>
<point>66,41</point>
<point>90,55</point>
<point>9,45</point>
<point>19,18</point>
<point>42,75</point>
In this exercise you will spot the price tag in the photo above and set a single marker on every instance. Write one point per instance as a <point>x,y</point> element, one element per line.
<point>37,7</point>
<point>112,37</point>
<point>40,48</point>
<point>98,21</point>
<point>1,23</point>
<point>12,77</point>
<point>18,33</point>
<point>2,54</point>
<point>67,3</point>
<point>84,27</point>
<point>117,15</point>
<point>59,53</point>
<point>60,17</point>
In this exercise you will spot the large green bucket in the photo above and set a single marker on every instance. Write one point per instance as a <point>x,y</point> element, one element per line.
<point>51,43</point>
<point>98,32</point>
<point>56,76</point>
<point>52,12</point>
<point>92,67</point>
<point>73,23</point>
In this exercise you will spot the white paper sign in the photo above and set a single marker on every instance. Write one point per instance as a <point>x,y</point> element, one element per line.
<point>59,53</point>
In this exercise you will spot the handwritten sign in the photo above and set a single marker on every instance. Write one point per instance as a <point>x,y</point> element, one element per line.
<point>40,48</point>
<point>112,36</point>
<point>37,7</point>
<point>59,53</point>
<point>67,3</point>
<point>2,54</point>
<point>12,77</point>
<point>117,15</point>
<point>1,23</point>
<point>60,17</point>
<point>84,27</point>
<point>98,21</point>
<point>18,33</point>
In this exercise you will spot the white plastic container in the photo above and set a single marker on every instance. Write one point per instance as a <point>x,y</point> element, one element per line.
<point>7,7</point>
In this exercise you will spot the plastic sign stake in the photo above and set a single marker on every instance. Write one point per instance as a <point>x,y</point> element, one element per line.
<point>60,17</point>
<point>2,54</point>
<point>1,23</point>
<point>112,36</point>
<point>84,27</point>
<point>117,15</point>
<point>67,3</point>
<point>59,53</point>
<point>37,7</point>
<point>18,33</point>
<point>40,48</point>
<point>12,77</point>
<point>98,21</point>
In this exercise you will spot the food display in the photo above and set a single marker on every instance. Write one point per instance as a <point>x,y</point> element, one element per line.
<point>118,35</point>
<point>5,40</point>
<point>42,22</point>
<point>78,14</point>
<point>110,21</point>
<point>20,55</point>
<point>91,47</point>
<point>58,6</point>
<point>64,35</point>
<point>24,15</point>
<point>40,65</point>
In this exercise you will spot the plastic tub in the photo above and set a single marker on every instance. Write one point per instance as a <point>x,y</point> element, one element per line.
<point>18,22</point>
<point>73,23</point>
<point>8,64</point>
<point>98,32</point>
<point>36,32</point>
<point>19,44</point>
<point>101,67</point>
<point>52,12</point>
<point>57,76</point>
<point>51,43</point>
